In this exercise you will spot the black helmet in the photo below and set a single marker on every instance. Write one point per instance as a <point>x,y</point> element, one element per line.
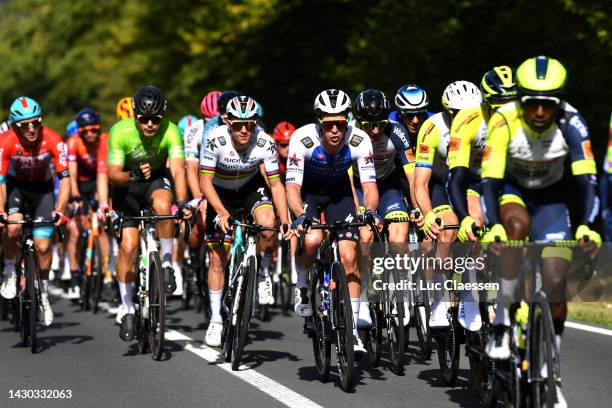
<point>149,101</point>
<point>499,85</point>
<point>224,99</point>
<point>371,105</point>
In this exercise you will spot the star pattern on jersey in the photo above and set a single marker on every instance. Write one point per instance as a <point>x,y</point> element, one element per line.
<point>272,147</point>
<point>294,160</point>
<point>210,144</point>
<point>369,159</point>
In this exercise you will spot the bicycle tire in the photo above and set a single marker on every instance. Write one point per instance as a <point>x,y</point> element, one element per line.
<point>541,337</point>
<point>31,278</point>
<point>480,366</point>
<point>142,324</point>
<point>321,340</point>
<point>374,342</point>
<point>448,350</point>
<point>245,308</point>
<point>422,311</point>
<point>343,320</point>
<point>396,335</point>
<point>98,277</point>
<point>157,307</point>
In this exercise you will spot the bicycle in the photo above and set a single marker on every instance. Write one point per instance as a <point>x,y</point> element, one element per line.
<point>238,300</point>
<point>151,308</point>
<point>533,372</point>
<point>332,319</point>
<point>28,278</point>
<point>388,312</point>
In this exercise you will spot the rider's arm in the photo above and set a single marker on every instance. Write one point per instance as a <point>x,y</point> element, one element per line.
<point>462,131</point>
<point>58,149</point>
<point>208,164</point>
<point>494,165</point>
<point>584,168</point>
<point>295,173</point>
<point>5,160</point>
<point>362,151</point>
<point>193,178</point>
<point>102,170</point>
<point>177,169</point>
<point>272,175</point>
<point>73,166</point>
<point>426,149</point>
<point>117,175</point>
<point>173,142</point>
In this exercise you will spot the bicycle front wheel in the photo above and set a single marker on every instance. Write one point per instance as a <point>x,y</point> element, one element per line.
<point>243,314</point>
<point>343,322</point>
<point>448,350</point>
<point>541,355</point>
<point>31,278</point>
<point>396,335</point>
<point>97,276</point>
<point>157,306</point>
<point>321,340</point>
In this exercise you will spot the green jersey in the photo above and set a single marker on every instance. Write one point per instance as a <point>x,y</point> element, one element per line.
<point>128,147</point>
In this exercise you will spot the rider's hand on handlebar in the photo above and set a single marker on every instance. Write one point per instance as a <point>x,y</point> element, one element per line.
<point>416,216</point>
<point>145,169</point>
<point>222,222</point>
<point>297,224</point>
<point>102,211</point>
<point>186,210</point>
<point>287,232</point>
<point>431,226</point>
<point>465,232</point>
<point>494,237</point>
<point>373,216</point>
<point>59,217</point>
<point>593,240</point>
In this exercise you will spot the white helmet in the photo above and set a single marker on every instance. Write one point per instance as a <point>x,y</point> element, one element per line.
<point>461,95</point>
<point>332,102</point>
<point>242,107</point>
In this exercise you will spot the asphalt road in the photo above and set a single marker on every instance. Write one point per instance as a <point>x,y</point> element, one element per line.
<point>81,352</point>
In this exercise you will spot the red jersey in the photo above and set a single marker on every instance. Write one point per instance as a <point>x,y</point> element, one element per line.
<point>89,161</point>
<point>33,163</point>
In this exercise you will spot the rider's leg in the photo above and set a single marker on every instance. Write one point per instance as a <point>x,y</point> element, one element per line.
<point>11,247</point>
<point>267,243</point>
<point>126,275</point>
<point>348,257</point>
<point>75,229</point>
<point>161,203</point>
<point>216,278</point>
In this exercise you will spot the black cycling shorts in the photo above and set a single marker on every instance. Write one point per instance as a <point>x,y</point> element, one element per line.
<point>336,205</point>
<point>247,199</point>
<point>131,199</point>
<point>32,198</point>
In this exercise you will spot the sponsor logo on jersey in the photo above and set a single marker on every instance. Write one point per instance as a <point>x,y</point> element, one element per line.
<point>261,142</point>
<point>222,140</point>
<point>356,140</point>
<point>487,153</point>
<point>586,150</point>
<point>410,155</point>
<point>294,160</point>
<point>428,130</point>
<point>211,145</point>
<point>499,123</point>
<point>579,125</point>
<point>423,148</point>
<point>454,144</point>
<point>401,134</point>
<point>307,142</point>
<point>369,159</point>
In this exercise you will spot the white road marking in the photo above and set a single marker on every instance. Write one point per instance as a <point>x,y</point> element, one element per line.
<point>588,328</point>
<point>264,384</point>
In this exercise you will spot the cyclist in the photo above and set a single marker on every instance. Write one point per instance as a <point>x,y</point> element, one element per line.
<point>87,153</point>
<point>137,153</point>
<point>411,102</point>
<point>467,142</point>
<point>429,178</point>
<point>209,105</point>
<point>27,152</point>
<point>317,182</point>
<point>124,108</point>
<point>528,142</point>
<point>282,134</point>
<point>231,181</point>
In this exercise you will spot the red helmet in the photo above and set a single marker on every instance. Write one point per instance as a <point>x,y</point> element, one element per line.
<point>208,106</point>
<point>283,132</point>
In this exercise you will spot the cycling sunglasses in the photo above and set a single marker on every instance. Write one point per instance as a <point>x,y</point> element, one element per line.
<point>283,144</point>
<point>26,125</point>
<point>237,125</point>
<point>328,125</point>
<point>409,115</point>
<point>90,128</point>
<point>145,119</point>
<point>371,125</point>
<point>546,102</point>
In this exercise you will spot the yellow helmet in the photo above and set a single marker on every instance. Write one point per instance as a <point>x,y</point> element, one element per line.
<point>541,76</point>
<point>498,85</point>
<point>125,108</point>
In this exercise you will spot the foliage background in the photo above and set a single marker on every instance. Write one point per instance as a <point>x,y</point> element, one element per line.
<point>68,54</point>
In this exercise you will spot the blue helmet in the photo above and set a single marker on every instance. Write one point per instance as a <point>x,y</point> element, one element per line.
<point>411,98</point>
<point>72,128</point>
<point>87,117</point>
<point>185,122</point>
<point>24,108</point>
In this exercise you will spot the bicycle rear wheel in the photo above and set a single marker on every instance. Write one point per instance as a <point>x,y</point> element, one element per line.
<point>321,340</point>
<point>422,310</point>
<point>157,306</point>
<point>243,314</point>
<point>31,279</point>
<point>343,321</point>
<point>541,355</point>
<point>375,334</point>
<point>448,350</point>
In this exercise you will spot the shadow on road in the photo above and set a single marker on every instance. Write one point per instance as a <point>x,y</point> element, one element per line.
<point>47,342</point>
<point>255,358</point>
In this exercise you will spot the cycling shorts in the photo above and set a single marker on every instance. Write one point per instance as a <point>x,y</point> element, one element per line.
<point>135,197</point>
<point>390,202</point>
<point>439,197</point>
<point>335,206</point>
<point>249,198</point>
<point>34,198</point>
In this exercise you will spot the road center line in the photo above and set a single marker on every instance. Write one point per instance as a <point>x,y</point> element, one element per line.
<point>588,328</point>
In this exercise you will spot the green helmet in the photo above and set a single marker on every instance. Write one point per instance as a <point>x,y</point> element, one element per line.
<point>541,76</point>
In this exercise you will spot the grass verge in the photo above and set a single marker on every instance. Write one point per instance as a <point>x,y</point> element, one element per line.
<point>591,312</point>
